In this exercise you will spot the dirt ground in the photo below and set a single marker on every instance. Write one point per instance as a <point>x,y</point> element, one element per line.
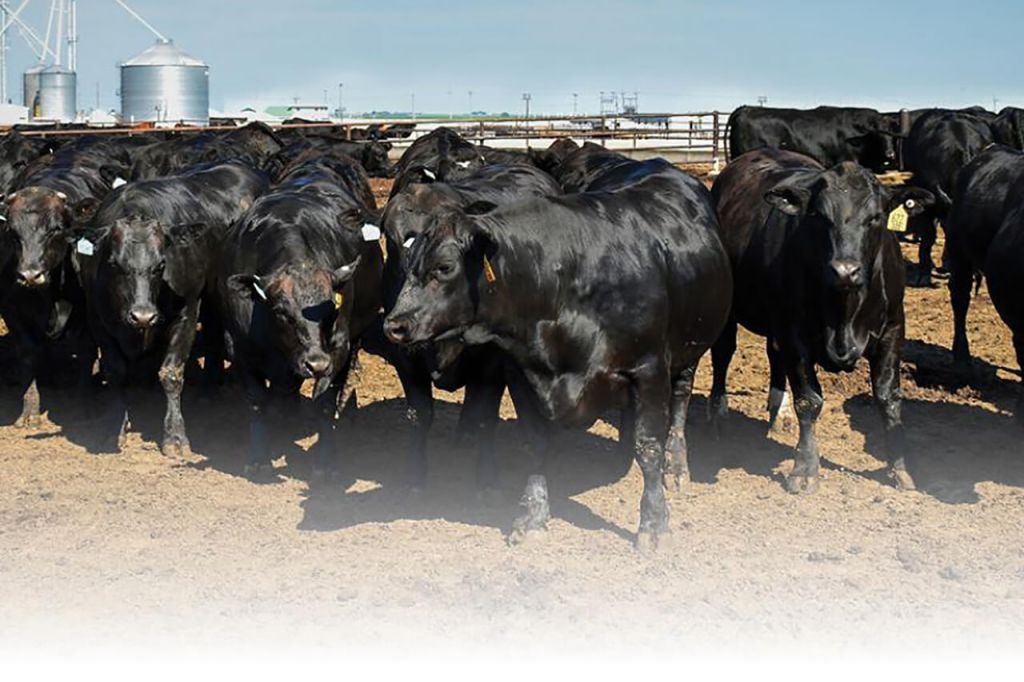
<point>109,551</point>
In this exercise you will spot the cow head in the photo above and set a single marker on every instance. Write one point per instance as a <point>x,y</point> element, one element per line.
<point>876,150</point>
<point>411,211</point>
<point>375,159</point>
<point>843,214</point>
<point>136,266</point>
<point>310,308</point>
<point>40,224</point>
<point>445,267</point>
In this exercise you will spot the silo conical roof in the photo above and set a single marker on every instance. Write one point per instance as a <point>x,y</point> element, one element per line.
<point>163,53</point>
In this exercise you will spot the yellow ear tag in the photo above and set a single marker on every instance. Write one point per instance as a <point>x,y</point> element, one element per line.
<point>898,219</point>
<point>338,300</point>
<point>489,271</point>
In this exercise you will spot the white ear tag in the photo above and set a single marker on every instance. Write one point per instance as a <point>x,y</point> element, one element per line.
<point>85,247</point>
<point>62,196</point>
<point>259,290</point>
<point>118,182</point>
<point>430,174</point>
<point>371,233</point>
<point>408,242</point>
<point>3,219</point>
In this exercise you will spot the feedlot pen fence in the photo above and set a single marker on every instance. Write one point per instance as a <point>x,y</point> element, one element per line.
<point>680,138</point>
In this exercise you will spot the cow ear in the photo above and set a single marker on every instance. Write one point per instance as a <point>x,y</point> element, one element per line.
<point>344,273</point>
<point>480,208</point>
<point>914,199</point>
<point>114,176</point>
<point>83,211</point>
<point>789,199</point>
<point>250,286</point>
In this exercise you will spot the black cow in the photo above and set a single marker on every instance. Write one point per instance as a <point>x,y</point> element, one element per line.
<point>600,299</point>
<point>151,258</point>
<point>371,155</point>
<point>441,155</point>
<point>940,143</point>
<point>581,167</point>
<point>299,283</point>
<point>16,152</point>
<point>817,274</point>
<point>985,233</point>
<point>481,370</point>
<point>1008,127</point>
<point>505,157</point>
<point>829,135</point>
<point>548,159</point>
<point>254,144</point>
<point>40,296</point>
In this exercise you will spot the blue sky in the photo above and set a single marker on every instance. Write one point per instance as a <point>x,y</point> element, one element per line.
<point>679,55</point>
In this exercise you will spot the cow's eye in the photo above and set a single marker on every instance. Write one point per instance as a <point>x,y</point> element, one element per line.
<point>444,270</point>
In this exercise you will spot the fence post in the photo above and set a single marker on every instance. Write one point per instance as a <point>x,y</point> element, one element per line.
<point>714,137</point>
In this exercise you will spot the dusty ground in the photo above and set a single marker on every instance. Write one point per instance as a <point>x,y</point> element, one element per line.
<point>110,551</point>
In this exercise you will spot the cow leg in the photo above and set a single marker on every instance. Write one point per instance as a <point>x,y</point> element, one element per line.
<point>86,361</point>
<point>26,369</point>
<point>925,264</point>
<point>885,385</point>
<point>677,471</point>
<point>258,397</point>
<point>809,402</point>
<point>213,347</point>
<point>721,355</point>
<point>652,392</point>
<point>778,398</point>
<point>115,415</point>
<point>960,280</point>
<point>627,429</point>
<point>481,409</point>
<point>420,412</point>
<point>172,378</point>
<point>326,406</point>
<point>534,502</point>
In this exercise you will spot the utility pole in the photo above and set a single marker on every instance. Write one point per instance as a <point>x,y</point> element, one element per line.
<point>575,100</point>
<point>412,105</point>
<point>526,98</point>
<point>451,109</point>
<point>3,54</point>
<point>470,112</point>
<point>762,100</point>
<point>341,107</point>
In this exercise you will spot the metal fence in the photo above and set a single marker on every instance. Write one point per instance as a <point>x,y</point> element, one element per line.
<point>680,137</point>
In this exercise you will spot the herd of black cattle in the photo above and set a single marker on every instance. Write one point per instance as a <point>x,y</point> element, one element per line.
<point>575,277</point>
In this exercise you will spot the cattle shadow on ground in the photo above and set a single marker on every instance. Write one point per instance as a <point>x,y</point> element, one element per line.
<point>375,458</point>
<point>931,366</point>
<point>951,447</point>
<point>743,443</point>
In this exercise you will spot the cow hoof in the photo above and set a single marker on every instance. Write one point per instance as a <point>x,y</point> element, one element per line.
<point>647,542</point>
<point>176,448</point>
<point>797,484</point>
<point>902,479</point>
<point>28,421</point>
<point>521,534</point>
<point>490,497</point>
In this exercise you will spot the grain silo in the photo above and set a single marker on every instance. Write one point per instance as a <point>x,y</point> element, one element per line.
<point>31,85</point>
<point>57,94</point>
<point>164,84</point>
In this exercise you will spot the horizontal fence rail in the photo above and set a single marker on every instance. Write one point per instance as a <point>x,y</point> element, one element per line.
<point>696,136</point>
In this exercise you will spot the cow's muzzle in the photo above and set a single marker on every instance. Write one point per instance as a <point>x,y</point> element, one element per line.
<point>32,278</point>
